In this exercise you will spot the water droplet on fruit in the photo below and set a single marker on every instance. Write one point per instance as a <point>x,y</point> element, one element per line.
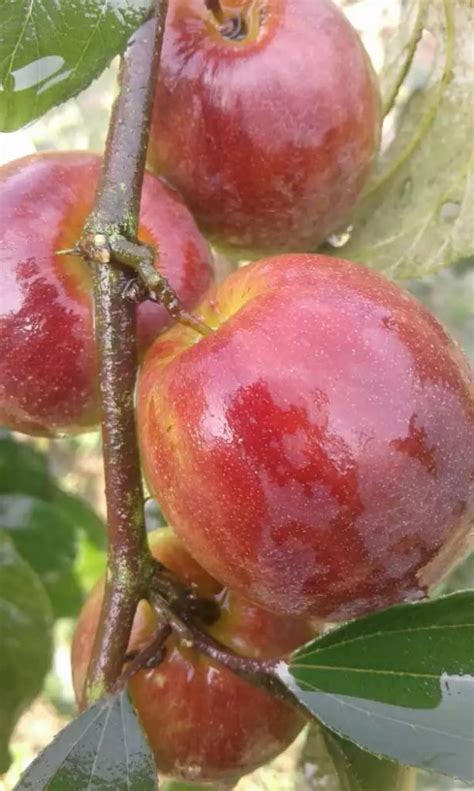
<point>449,211</point>
<point>340,239</point>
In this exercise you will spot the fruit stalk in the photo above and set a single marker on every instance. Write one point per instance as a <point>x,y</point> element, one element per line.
<point>259,672</point>
<point>214,7</point>
<point>116,212</point>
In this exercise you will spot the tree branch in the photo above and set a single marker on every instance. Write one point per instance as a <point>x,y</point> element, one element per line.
<point>109,243</point>
<point>177,614</point>
<point>177,611</point>
<point>116,212</point>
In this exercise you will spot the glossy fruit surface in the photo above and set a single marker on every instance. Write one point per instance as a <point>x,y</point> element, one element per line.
<point>268,123</point>
<point>202,722</point>
<point>48,368</point>
<point>316,452</point>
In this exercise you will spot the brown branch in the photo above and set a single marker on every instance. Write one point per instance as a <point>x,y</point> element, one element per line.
<point>149,657</point>
<point>176,613</point>
<point>115,212</point>
<point>260,673</point>
<point>109,243</point>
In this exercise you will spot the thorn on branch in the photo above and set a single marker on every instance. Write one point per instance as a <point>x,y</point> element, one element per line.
<point>76,250</point>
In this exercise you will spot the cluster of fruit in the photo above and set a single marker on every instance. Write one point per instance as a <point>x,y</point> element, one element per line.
<point>313,452</point>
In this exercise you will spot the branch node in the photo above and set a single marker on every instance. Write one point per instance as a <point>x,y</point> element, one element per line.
<point>95,248</point>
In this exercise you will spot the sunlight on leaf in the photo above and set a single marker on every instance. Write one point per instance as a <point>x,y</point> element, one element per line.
<point>51,50</point>
<point>26,640</point>
<point>46,538</point>
<point>400,51</point>
<point>104,748</point>
<point>399,683</point>
<point>417,214</point>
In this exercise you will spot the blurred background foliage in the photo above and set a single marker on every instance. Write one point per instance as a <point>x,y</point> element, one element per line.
<point>62,508</point>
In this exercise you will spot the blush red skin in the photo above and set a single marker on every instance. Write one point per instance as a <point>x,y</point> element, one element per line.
<point>316,453</point>
<point>48,366</point>
<point>202,722</point>
<point>269,141</point>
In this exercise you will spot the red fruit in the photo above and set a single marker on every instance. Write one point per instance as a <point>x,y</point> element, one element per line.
<point>316,452</point>
<point>202,721</point>
<point>48,367</point>
<point>268,123</point>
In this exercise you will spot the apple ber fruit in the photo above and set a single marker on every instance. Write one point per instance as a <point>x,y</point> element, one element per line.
<point>202,721</point>
<point>266,119</point>
<point>315,453</point>
<point>48,366</point>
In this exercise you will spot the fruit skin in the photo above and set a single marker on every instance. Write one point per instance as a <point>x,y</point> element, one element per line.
<point>202,721</point>
<point>316,452</point>
<point>48,367</point>
<point>269,139</point>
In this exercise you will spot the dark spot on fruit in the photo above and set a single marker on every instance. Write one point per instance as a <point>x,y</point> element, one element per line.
<point>415,445</point>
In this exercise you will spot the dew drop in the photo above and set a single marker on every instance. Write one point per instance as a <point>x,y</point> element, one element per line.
<point>340,239</point>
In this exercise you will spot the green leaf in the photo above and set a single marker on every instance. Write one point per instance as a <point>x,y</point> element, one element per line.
<point>417,215</point>
<point>83,516</point>
<point>25,628</point>
<point>335,764</point>
<point>103,749</point>
<point>91,539</point>
<point>178,785</point>
<point>90,563</point>
<point>400,50</point>
<point>359,770</point>
<point>24,470</point>
<point>59,534</point>
<point>461,578</point>
<point>399,683</point>
<point>46,538</point>
<point>49,51</point>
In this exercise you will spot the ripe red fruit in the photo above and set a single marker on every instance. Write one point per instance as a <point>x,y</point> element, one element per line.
<point>316,452</point>
<point>267,122</point>
<point>48,368</point>
<point>202,721</point>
